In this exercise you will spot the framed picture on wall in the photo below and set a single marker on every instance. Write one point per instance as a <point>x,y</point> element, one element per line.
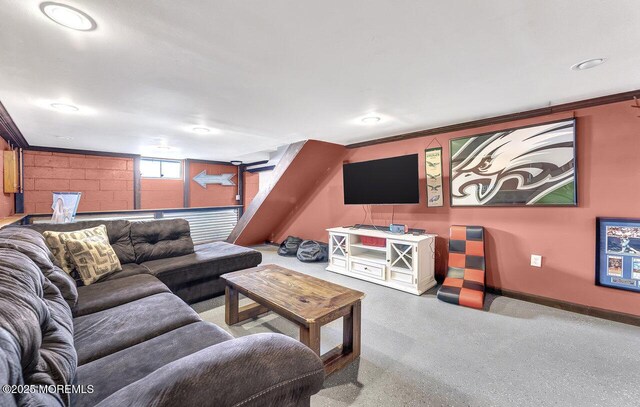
<point>618,253</point>
<point>526,166</point>
<point>433,171</point>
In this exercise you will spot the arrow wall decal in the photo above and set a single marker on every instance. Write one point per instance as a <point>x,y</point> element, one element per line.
<point>203,179</point>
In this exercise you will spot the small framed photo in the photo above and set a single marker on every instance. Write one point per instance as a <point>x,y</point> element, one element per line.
<point>614,266</point>
<point>635,268</point>
<point>618,253</point>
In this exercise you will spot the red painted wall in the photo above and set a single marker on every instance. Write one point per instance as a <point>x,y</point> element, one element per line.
<point>251,187</point>
<point>106,183</point>
<point>6,200</point>
<point>608,142</point>
<point>161,193</point>
<point>214,194</point>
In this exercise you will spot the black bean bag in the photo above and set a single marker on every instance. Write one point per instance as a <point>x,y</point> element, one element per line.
<point>311,251</point>
<point>290,246</point>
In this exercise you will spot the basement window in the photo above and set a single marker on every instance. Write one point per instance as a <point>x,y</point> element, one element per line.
<point>166,169</point>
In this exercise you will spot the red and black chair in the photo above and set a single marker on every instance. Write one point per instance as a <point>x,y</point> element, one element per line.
<point>464,284</point>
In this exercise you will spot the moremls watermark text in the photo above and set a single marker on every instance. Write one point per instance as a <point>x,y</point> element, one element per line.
<point>50,389</point>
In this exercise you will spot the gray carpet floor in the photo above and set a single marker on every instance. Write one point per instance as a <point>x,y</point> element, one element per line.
<point>419,351</point>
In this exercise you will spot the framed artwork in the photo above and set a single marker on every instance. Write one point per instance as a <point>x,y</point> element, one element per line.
<point>526,166</point>
<point>65,206</point>
<point>618,253</point>
<point>433,171</point>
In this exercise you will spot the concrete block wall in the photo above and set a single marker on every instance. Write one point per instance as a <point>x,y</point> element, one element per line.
<point>106,183</point>
<point>161,193</point>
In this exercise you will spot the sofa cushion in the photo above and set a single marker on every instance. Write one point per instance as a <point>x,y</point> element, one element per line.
<point>109,294</point>
<point>196,291</point>
<point>209,261</point>
<point>140,360</point>
<point>160,239</point>
<point>258,370</point>
<point>118,231</point>
<point>32,244</point>
<point>38,319</point>
<point>105,332</point>
<point>128,270</point>
<point>10,367</point>
<point>11,374</point>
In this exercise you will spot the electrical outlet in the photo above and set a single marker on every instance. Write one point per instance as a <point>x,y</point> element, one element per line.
<point>536,260</point>
<point>237,197</point>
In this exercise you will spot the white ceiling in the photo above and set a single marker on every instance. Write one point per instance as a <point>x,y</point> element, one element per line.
<point>266,73</point>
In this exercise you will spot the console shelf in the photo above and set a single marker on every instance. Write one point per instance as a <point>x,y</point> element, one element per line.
<point>376,257</point>
<point>405,263</point>
<point>366,247</point>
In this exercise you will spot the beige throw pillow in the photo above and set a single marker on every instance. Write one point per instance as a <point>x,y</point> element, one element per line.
<point>87,251</point>
<point>56,243</point>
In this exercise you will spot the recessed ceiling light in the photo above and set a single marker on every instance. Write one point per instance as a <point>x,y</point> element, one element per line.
<point>64,137</point>
<point>163,147</point>
<point>64,107</point>
<point>588,64</point>
<point>68,16</point>
<point>370,120</point>
<point>201,130</point>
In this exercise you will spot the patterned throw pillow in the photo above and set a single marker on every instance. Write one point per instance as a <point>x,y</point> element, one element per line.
<point>56,243</point>
<point>96,245</point>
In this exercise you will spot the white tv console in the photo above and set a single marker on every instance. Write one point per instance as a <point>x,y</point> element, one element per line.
<point>406,262</point>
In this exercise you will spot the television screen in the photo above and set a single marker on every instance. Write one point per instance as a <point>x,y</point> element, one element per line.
<point>386,181</point>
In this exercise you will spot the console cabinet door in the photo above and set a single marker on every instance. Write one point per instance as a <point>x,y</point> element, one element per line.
<point>338,244</point>
<point>402,261</point>
<point>338,250</point>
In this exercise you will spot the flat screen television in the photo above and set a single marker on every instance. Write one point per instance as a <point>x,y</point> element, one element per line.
<point>389,181</point>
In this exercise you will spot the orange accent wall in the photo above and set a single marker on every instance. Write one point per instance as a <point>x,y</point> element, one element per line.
<point>161,193</point>
<point>106,183</point>
<point>7,207</point>
<point>608,142</point>
<point>214,194</point>
<point>251,187</point>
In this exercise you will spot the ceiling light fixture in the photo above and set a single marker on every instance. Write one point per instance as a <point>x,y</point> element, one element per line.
<point>68,16</point>
<point>588,64</point>
<point>163,147</point>
<point>201,130</point>
<point>236,162</point>
<point>371,120</point>
<point>64,137</point>
<point>64,107</point>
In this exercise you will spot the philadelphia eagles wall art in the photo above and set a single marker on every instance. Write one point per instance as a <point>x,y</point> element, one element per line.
<point>433,170</point>
<point>527,166</point>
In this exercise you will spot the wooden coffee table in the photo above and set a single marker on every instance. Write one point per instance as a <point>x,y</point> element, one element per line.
<point>307,301</point>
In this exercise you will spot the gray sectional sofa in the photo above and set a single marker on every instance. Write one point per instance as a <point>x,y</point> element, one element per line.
<point>164,249</point>
<point>129,341</point>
